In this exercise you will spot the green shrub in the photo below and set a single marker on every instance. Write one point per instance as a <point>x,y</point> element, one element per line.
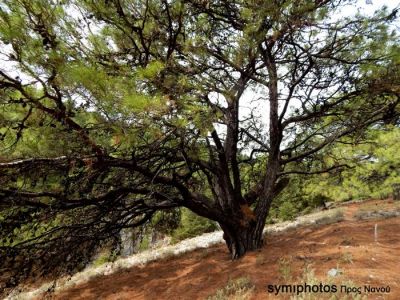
<point>105,256</point>
<point>287,211</point>
<point>144,243</point>
<point>166,221</point>
<point>192,225</point>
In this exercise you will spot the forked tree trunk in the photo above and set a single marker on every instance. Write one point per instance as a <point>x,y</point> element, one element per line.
<point>244,232</point>
<point>240,239</point>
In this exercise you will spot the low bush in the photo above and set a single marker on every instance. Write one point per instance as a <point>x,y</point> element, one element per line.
<point>238,289</point>
<point>192,225</point>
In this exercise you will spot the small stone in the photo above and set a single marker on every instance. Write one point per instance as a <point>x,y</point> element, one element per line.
<point>334,272</point>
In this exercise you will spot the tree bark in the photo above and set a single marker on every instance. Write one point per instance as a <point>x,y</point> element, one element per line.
<point>241,237</point>
<point>244,232</point>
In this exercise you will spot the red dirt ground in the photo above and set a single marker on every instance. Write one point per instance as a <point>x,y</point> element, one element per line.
<point>348,245</point>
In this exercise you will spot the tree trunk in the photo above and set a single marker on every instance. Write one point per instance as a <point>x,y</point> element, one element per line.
<point>244,232</point>
<point>240,239</point>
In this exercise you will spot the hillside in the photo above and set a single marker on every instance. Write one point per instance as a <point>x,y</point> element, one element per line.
<point>297,252</point>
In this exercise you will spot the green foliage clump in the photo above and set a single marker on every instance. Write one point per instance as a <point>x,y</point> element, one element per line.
<point>374,168</point>
<point>192,225</point>
<point>166,221</point>
<point>105,257</point>
<point>144,243</point>
<point>295,200</point>
<point>372,172</point>
<point>287,211</point>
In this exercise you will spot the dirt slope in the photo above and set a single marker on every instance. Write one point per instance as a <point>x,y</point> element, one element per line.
<point>349,246</point>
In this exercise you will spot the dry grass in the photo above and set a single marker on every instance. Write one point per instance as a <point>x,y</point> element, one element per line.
<point>238,289</point>
<point>309,278</point>
<point>374,212</point>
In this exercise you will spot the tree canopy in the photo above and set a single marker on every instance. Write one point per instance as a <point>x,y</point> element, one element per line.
<point>113,110</point>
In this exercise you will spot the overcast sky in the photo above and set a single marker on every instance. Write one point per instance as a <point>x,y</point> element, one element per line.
<point>369,6</point>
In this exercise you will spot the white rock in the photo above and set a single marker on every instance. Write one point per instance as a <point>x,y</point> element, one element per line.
<point>334,272</point>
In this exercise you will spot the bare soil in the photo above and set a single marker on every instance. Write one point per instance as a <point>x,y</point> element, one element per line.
<point>349,245</point>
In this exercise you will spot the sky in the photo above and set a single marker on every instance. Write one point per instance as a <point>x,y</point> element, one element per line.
<point>369,6</point>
